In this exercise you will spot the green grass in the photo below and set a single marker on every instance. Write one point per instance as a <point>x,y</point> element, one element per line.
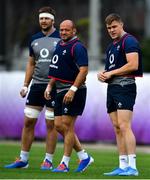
<point>105,160</point>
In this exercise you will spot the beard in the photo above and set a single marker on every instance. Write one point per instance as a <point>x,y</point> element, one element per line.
<point>65,39</point>
<point>46,29</point>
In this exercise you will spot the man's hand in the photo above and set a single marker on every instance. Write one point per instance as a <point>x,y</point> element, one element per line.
<point>24,91</point>
<point>68,98</point>
<point>47,92</point>
<point>103,76</point>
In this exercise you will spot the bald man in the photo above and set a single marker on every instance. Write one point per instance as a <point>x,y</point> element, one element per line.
<point>68,70</point>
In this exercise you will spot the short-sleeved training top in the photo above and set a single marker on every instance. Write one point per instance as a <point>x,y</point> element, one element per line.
<point>116,54</point>
<point>66,61</point>
<point>42,47</point>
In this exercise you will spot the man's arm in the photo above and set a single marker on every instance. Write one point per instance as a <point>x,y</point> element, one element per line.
<point>28,76</point>
<point>29,71</point>
<point>132,65</point>
<point>80,79</point>
<point>49,89</point>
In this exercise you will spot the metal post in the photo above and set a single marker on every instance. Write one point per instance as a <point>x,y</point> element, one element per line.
<point>147,19</point>
<point>94,34</point>
<point>2,33</point>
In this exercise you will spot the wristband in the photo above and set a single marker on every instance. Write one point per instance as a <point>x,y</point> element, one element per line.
<point>26,84</point>
<point>25,89</point>
<point>73,88</point>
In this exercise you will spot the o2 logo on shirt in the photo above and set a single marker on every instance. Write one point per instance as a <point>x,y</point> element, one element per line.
<point>111,61</point>
<point>44,53</point>
<point>111,58</point>
<point>54,61</point>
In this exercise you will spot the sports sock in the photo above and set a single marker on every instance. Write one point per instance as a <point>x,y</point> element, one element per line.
<point>82,154</point>
<point>24,156</point>
<point>66,160</point>
<point>49,157</point>
<point>123,161</point>
<point>132,160</point>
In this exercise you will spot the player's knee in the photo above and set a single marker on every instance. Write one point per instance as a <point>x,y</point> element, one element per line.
<point>31,113</point>
<point>116,127</point>
<point>29,125</point>
<point>59,128</point>
<point>49,115</point>
<point>124,127</point>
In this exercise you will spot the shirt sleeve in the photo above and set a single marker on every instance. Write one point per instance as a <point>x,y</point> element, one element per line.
<point>80,54</point>
<point>131,45</point>
<point>31,52</point>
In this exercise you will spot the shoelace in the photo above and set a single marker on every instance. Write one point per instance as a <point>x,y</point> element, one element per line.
<point>47,164</point>
<point>61,167</point>
<point>17,159</point>
<point>79,161</point>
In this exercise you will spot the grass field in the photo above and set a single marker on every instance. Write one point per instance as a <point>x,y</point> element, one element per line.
<point>105,160</point>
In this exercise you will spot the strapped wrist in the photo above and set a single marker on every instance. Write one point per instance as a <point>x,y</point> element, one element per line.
<point>25,84</point>
<point>25,89</point>
<point>73,88</point>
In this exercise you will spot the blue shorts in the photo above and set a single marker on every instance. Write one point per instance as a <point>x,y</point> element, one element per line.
<point>120,97</point>
<point>75,108</point>
<point>36,96</point>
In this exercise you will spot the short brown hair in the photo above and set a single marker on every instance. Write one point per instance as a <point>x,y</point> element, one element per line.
<point>47,9</point>
<point>112,17</point>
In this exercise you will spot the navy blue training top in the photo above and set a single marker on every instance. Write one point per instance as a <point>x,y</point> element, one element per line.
<point>116,58</point>
<point>67,59</point>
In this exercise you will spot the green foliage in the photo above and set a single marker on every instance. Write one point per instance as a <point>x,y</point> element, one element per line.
<point>145,45</point>
<point>83,29</point>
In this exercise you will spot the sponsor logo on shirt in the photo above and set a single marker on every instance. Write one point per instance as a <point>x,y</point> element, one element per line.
<point>54,61</point>
<point>44,53</point>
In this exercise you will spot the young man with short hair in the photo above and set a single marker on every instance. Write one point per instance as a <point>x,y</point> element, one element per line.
<point>123,64</point>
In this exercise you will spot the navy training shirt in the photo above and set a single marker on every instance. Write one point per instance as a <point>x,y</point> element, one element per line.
<point>116,58</point>
<point>67,59</point>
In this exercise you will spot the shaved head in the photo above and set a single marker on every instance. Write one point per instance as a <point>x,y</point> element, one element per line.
<point>68,23</point>
<point>67,30</point>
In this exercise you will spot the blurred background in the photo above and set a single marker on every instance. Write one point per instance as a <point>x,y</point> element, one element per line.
<point>19,20</point>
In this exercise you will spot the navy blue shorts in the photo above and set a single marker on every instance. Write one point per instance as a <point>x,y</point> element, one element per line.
<point>75,108</point>
<point>120,97</point>
<point>36,96</point>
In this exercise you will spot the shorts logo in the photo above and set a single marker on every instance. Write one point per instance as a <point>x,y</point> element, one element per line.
<point>120,105</point>
<point>65,110</point>
<point>53,103</point>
